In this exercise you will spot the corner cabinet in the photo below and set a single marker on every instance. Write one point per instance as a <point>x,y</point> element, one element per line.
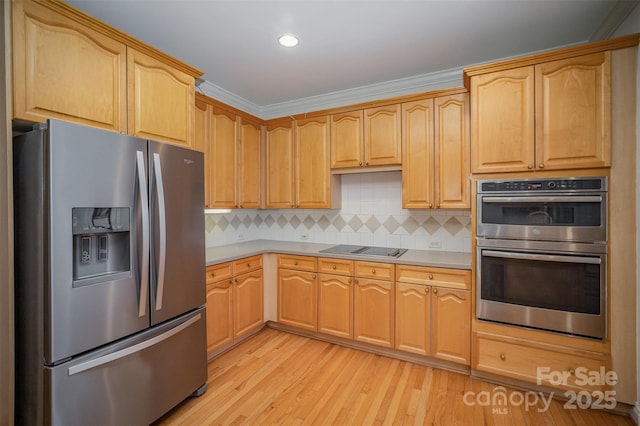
<point>232,146</point>
<point>234,301</point>
<point>70,66</point>
<point>435,150</point>
<point>548,116</point>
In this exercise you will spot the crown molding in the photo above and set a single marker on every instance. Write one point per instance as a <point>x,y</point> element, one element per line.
<point>614,19</point>
<point>372,92</point>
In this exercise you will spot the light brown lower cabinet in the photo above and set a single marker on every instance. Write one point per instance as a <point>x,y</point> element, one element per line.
<point>297,292</point>
<point>373,311</point>
<point>431,320</point>
<point>234,301</point>
<point>335,305</point>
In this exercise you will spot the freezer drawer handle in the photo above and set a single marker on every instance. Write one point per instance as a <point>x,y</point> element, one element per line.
<point>133,349</point>
<point>144,202</point>
<point>162,218</point>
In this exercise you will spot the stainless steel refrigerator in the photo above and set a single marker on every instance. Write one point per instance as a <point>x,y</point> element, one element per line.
<point>110,276</point>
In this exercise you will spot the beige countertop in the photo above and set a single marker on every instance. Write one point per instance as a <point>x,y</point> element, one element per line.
<point>433,258</point>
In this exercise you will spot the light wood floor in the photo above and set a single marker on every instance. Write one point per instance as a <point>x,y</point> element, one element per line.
<point>280,378</point>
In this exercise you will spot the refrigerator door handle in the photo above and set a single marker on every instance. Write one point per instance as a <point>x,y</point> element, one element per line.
<point>132,349</point>
<point>144,202</point>
<point>162,218</point>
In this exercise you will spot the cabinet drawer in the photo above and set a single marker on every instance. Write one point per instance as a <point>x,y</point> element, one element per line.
<point>439,277</point>
<point>301,263</point>
<point>379,271</point>
<point>247,264</point>
<point>335,266</point>
<point>219,272</point>
<point>521,359</point>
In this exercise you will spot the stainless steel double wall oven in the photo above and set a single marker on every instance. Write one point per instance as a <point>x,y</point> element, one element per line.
<point>541,252</point>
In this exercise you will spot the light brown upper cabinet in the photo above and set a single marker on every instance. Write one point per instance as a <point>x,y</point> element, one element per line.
<point>365,138</point>
<point>298,173</point>
<point>70,66</point>
<point>221,159</point>
<point>316,188</point>
<point>161,100</point>
<point>250,170</point>
<point>280,193</point>
<point>548,116</point>
<point>65,70</point>
<point>232,150</point>
<point>435,150</point>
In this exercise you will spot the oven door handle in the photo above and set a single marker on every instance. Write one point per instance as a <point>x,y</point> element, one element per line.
<point>549,199</point>
<point>542,257</point>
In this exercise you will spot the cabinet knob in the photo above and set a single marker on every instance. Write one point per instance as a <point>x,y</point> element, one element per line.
<point>355,281</point>
<point>213,274</point>
<point>426,289</point>
<point>503,356</point>
<point>231,281</point>
<point>373,271</point>
<point>295,263</point>
<point>530,166</point>
<point>349,281</point>
<point>429,205</point>
<point>572,371</point>
<point>313,276</point>
<point>248,265</point>
<point>437,206</point>
<point>366,163</point>
<point>333,267</point>
<point>240,205</point>
<point>430,276</point>
<point>541,166</point>
<point>435,291</point>
<point>361,163</point>
<point>292,206</point>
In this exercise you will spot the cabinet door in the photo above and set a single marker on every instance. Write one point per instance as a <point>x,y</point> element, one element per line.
<point>347,140</point>
<point>573,112</point>
<point>451,325</point>
<point>452,180</point>
<point>64,70</point>
<point>313,174</point>
<point>417,155</point>
<point>373,312</point>
<point>502,121</point>
<point>222,163</point>
<point>413,313</point>
<point>335,305</point>
<point>297,297</point>
<point>161,100</point>
<point>250,168</point>
<point>382,136</point>
<point>219,315</point>
<point>280,166</point>
<point>201,142</point>
<point>248,302</point>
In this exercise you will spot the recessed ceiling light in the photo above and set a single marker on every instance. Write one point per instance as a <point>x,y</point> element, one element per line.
<point>288,40</point>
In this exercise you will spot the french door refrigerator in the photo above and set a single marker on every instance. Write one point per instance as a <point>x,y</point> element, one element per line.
<point>110,276</point>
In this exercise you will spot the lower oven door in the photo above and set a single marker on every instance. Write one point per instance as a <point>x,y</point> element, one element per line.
<point>550,289</point>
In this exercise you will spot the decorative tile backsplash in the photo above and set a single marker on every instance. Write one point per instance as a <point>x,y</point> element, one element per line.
<point>371,214</point>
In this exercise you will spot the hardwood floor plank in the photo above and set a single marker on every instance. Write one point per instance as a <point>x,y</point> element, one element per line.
<point>279,378</point>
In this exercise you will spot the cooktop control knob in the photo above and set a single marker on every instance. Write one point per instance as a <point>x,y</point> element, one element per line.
<point>551,185</point>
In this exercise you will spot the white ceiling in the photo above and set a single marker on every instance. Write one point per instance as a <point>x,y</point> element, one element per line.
<point>350,50</point>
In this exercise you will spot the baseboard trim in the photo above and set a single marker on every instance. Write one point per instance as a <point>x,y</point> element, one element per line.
<point>634,413</point>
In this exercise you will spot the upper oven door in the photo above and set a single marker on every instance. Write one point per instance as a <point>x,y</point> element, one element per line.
<point>544,217</point>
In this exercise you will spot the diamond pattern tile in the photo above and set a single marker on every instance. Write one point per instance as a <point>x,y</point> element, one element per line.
<point>355,223</point>
<point>339,223</point>
<point>236,222</point>
<point>209,223</point>
<point>247,221</point>
<point>257,221</point>
<point>431,225</point>
<point>308,222</point>
<point>269,221</point>
<point>282,221</point>
<point>391,225</point>
<point>410,225</point>
<point>324,223</point>
<point>223,223</point>
<point>372,224</point>
<point>453,225</point>
<point>295,222</point>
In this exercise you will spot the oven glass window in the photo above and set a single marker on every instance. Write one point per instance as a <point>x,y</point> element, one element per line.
<point>562,286</point>
<point>536,213</point>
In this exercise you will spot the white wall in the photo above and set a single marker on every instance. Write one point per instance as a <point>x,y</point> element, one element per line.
<point>630,26</point>
<point>371,214</point>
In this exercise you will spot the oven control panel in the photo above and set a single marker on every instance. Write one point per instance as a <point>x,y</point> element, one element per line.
<point>526,185</point>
